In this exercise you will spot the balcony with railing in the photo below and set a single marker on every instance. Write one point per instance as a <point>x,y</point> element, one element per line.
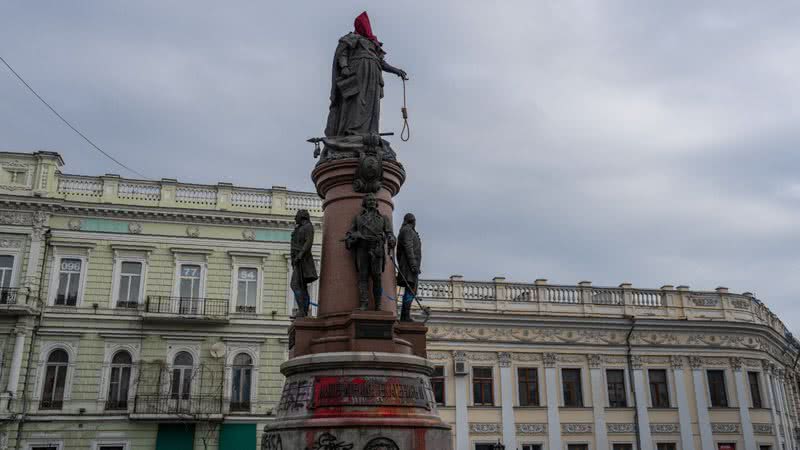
<point>14,301</point>
<point>583,299</point>
<point>158,307</point>
<point>170,193</point>
<point>166,405</point>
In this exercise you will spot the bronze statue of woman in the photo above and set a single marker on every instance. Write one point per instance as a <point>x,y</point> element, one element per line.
<point>357,86</point>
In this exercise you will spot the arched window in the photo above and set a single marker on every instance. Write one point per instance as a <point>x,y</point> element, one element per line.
<point>182,370</point>
<point>242,371</point>
<point>55,378</point>
<point>120,380</point>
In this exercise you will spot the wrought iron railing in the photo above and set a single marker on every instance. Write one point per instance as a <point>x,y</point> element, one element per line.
<point>166,404</point>
<point>116,405</point>
<point>187,306</point>
<point>240,406</point>
<point>9,296</point>
<point>51,404</point>
<point>127,304</point>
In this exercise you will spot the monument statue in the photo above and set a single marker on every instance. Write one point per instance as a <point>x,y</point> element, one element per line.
<point>368,239</point>
<point>356,92</point>
<point>409,256</point>
<point>304,272</point>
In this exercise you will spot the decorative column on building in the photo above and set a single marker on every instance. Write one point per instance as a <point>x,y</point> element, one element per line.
<point>507,399</point>
<point>551,381</point>
<point>684,409</point>
<point>15,370</point>
<point>598,400</point>
<point>641,403</point>
<point>773,404</point>
<point>744,405</point>
<point>780,385</point>
<point>39,222</point>
<point>700,398</point>
<point>462,413</point>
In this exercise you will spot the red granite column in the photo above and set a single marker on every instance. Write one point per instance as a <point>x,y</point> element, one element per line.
<point>338,283</point>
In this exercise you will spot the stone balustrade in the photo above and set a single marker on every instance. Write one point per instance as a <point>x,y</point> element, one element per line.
<point>170,193</point>
<point>583,299</point>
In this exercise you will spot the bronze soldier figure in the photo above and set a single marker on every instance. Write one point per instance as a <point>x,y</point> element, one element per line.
<point>304,270</point>
<point>368,238</point>
<point>409,256</point>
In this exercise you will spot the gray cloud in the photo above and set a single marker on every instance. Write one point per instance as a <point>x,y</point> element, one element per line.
<point>622,141</point>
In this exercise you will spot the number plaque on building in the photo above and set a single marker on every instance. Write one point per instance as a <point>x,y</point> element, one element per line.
<point>369,391</point>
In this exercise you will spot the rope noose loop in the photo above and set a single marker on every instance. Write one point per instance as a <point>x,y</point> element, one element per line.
<point>405,133</point>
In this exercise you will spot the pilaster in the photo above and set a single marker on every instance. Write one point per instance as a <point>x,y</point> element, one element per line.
<point>643,419</point>
<point>551,381</point>
<point>598,400</point>
<point>507,399</point>
<point>700,398</point>
<point>684,409</point>
<point>744,409</point>
<point>462,414</point>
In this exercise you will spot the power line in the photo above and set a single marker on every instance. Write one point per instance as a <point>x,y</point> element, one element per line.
<point>67,122</point>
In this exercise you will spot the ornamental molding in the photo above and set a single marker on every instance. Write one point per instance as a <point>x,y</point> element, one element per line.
<point>576,428</point>
<point>579,359</point>
<point>532,428</point>
<point>695,362</point>
<point>662,428</point>
<point>439,356</point>
<point>484,428</point>
<point>75,224</point>
<point>763,428</point>
<point>725,428</point>
<point>15,218</point>
<point>10,243</point>
<point>40,219</point>
<point>636,361</point>
<point>193,231</point>
<point>481,356</point>
<point>135,228</point>
<point>705,300</point>
<point>526,357</point>
<point>676,362</point>
<point>504,358</point>
<point>657,360</point>
<point>549,359</point>
<point>615,360</point>
<point>460,356</point>
<point>602,338</point>
<point>621,428</point>
<point>249,234</point>
<point>739,303</point>
<point>736,363</point>
<point>595,361</point>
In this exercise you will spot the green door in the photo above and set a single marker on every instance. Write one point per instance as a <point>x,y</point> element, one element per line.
<point>237,436</point>
<point>175,436</point>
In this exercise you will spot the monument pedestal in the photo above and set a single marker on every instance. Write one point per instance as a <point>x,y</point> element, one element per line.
<point>355,380</point>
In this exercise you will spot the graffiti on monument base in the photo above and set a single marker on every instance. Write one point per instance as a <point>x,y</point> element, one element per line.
<point>381,443</point>
<point>369,391</point>
<point>327,441</point>
<point>271,441</point>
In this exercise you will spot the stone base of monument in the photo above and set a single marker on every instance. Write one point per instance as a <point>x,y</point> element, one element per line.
<point>357,401</point>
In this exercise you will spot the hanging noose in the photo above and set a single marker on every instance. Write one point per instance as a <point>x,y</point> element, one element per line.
<point>405,133</point>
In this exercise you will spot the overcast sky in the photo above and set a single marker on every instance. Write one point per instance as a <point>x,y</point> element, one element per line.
<point>645,142</point>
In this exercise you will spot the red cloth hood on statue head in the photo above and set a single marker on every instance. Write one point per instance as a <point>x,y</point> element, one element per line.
<point>363,27</point>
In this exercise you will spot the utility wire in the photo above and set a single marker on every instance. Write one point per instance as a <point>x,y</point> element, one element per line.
<point>67,122</point>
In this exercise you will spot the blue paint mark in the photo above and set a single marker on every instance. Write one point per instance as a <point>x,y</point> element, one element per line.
<point>104,226</point>
<point>274,235</point>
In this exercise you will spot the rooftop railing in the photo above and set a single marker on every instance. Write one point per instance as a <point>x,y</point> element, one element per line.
<point>456,294</point>
<point>170,193</point>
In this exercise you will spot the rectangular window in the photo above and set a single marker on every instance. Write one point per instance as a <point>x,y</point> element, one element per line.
<point>130,284</point>
<point>577,446</point>
<point>615,378</point>
<point>111,447</point>
<point>69,279</point>
<point>528,383</point>
<point>190,281</point>
<point>659,390</point>
<point>44,447</point>
<point>716,389</point>
<point>246,289</point>
<point>6,270</point>
<point>531,446</point>
<point>482,388</point>
<point>764,447</point>
<point>622,447</point>
<point>665,446</point>
<point>437,384</point>
<point>726,446</point>
<point>573,390</point>
<point>755,390</point>
<point>484,446</point>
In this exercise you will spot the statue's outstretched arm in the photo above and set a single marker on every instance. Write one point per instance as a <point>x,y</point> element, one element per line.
<point>386,67</point>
